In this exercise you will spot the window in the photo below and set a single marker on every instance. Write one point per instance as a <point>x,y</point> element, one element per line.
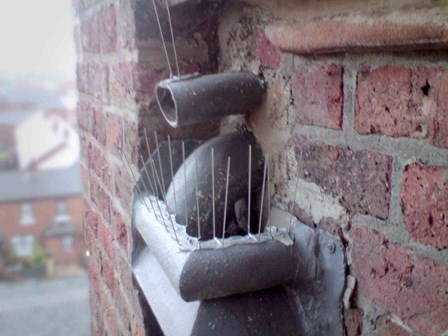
<point>22,245</point>
<point>26,214</point>
<point>67,243</point>
<point>61,211</point>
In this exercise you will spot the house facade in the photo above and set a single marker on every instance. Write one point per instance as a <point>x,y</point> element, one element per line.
<point>41,211</point>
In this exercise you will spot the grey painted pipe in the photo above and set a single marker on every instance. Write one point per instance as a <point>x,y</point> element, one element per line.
<point>236,146</point>
<point>206,274</point>
<point>194,99</point>
<point>237,269</point>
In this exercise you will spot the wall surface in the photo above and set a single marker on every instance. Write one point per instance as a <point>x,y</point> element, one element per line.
<point>120,59</point>
<point>355,115</point>
<point>362,132</point>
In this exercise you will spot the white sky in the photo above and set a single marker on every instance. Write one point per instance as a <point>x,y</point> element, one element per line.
<point>36,37</point>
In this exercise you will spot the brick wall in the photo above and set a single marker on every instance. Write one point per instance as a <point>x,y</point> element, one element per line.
<point>363,133</point>
<point>360,129</point>
<point>120,59</point>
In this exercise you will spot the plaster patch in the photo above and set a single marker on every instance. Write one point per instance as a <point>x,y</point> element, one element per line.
<point>316,203</point>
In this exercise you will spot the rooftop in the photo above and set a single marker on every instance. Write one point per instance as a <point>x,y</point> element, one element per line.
<point>22,185</point>
<point>15,117</point>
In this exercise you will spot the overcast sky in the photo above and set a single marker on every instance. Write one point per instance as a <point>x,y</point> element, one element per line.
<point>36,37</point>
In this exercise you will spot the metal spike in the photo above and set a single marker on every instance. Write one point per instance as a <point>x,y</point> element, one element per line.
<point>131,178</point>
<point>154,193</point>
<point>160,162</point>
<point>185,183</point>
<point>295,192</point>
<point>197,196</point>
<point>225,201</point>
<point>213,192</point>
<point>269,195</point>
<point>144,184</point>
<point>262,198</point>
<point>172,173</point>
<point>249,191</point>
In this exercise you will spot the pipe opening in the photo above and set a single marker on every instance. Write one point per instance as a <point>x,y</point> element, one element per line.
<point>167,104</point>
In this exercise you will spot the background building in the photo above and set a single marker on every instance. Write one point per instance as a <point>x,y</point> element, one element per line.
<point>42,212</point>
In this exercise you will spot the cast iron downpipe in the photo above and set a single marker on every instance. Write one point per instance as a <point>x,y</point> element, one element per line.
<point>181,194</point>
<point>193,99</point>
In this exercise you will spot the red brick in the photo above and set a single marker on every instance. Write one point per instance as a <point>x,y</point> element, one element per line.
<point>98,32</point>
<point>105,239</point>
<point>108,29</point>
<point>100,197</point>
<point>385,327</point>
<point>114,134</point>
<point>414,288</point>
<point>85,147</point>
<point>318,96</point>
<point>90,34</point>
<point>353,321</point>
<point>98,77</point>
<point>120,229</point>
<point>125,274</point>
<point>99,120</point>
<point>82,80</point>
<point>134,82</point>
<point>360,179</point>
<point>269,55</point>
<point>93,278</point>
<point>85,116</point>
<point>85,178</point>
<point>359,33</point>
<point>403,102</point>
<point>125,26</point>
<point>424,194</point>
<point>131,142</point>
<point>107,273</point>
<point>121,84</point>
<point>122,183</point>
<point>99,164</point>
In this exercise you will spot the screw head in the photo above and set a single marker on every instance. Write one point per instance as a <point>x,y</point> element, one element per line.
<point>331,247</point>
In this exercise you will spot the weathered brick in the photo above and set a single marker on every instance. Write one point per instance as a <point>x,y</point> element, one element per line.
<point>99,164</point>
<point>360,179</point>
<point>85,178</point>
<point>90,35</point>
<point>98,77</point>
<point>100,197</point>
<point>424,194</point>
<point>133,82</point>
<point>403,102</point>
<point>85,116</point>
<point>114,134</point>
<point>105,239</point>
<point>108,29</point>
<point>353,321</point>
<point>98,32</point>
<point>107,273</point>
<point>93,277</point>
<point>99,120</point>
<point>82,80</point>
<point>125,26</point>
<point>122,183</point>
<point>269,55</point>
<point>414,288</point>
<point>385,327</point>
<point>318,96</point>
<point>120,229</point>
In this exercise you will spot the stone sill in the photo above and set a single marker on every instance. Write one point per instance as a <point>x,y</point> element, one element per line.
<point>399,31</point>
